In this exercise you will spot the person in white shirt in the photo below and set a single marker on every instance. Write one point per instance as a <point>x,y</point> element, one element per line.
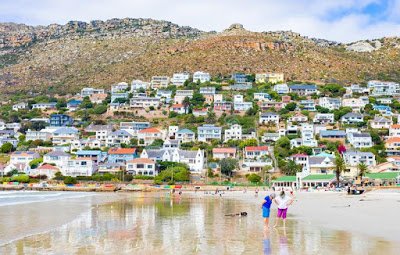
<point>283,201</point>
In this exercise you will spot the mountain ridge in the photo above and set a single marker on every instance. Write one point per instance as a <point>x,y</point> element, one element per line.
<point>98,53</point>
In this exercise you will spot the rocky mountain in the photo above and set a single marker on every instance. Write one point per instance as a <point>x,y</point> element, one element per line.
<point>65,58</point>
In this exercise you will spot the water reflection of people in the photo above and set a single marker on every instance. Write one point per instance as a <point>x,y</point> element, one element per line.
<point>266,242</point>
<point>283,243</point>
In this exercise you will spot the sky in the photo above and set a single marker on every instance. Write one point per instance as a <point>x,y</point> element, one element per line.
<point>338,20</point>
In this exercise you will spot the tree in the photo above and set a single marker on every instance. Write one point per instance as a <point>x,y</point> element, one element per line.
<point>228,165</point>
<point>70,180</point>
<point>254,178</point>
<point>6,148</point>
<point>291,168</point>
<point>35,163</point>
<point>291,106</point>
<point>362,169</point>
<point>197,99</point>
<point>86,103</point>
<point>340,166</point>
<point>100,109</point>
<point>211,118</point>
<point>157,143</point>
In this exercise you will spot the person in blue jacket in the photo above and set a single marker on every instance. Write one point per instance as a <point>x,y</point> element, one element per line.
<point>266,206</point>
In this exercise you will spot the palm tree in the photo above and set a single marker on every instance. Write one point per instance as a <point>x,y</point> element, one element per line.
<point>362,169</point>
<point>339,168</point>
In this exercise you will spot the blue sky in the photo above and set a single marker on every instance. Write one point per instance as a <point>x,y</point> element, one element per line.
<point>340,20</point>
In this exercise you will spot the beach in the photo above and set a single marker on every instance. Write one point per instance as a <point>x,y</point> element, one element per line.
<point>150,223</point>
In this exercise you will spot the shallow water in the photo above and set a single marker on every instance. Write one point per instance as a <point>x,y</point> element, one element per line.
<point>157,224</point>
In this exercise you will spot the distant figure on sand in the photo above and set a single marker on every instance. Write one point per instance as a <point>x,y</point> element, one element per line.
<point>283,201</point>
<point>266,207</point>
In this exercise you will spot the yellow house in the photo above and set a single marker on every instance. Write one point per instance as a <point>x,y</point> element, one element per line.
<point>270,77</point>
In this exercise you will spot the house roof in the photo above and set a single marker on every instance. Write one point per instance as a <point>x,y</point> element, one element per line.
<point>383,175</point>
<point>49,167</point>
<point>25,153</point>
<point>303,86</point>
<point>149,130</point>
<point>224,150</point>
<point>57,154</point>
<point>120,151</point>
<point>395,126</point>
<point>393,140</point>
<point>352,114</point>
<point>141,161</point>
<point>299,155</point>
<point>187,153</point>
<point>315,160</point>
<point>120,132</point>
<point>152,153</point>
<point>288,178</point>
<point>177,106</point>
<point>185,131</point>
<point>256,148</point>
<point>317,177</point>
<point>324,133</point>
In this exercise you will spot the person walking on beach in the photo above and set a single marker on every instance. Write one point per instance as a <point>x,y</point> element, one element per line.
<point>266,207</point>
<point>283,201</point>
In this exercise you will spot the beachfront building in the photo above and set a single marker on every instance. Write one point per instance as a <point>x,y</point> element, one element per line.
<point>178,79</point>
<point>221,153</point>
<point>58,158</point>
<point>208,132</point>
<point>233,133</point>
<point>269,77</point>
<point>45,169</point>
<point>201,77</point>
<point>141,166</point>
<point>121,155</point>
<point>353,158</point>
<point>79,167</point>
<point>96,155</point>
<point>384,88</point>
<point>158,82</point>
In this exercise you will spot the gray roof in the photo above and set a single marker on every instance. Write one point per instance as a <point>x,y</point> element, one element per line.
<point>268,114</point>
<point>381,119</point>
<point>315,160</point>
<point>358,153</point>
<point>151,153</point>
<point>361,135</point>
<point>324,133</point>
<point>121,132</point>
<point>187,154</point>
<point>57,154</point>
<point>303,86</point>
<point>352,114</point>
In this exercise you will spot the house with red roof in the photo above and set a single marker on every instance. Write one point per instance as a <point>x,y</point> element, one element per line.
<point>141,166</point>
<point>121,155</point>
<point>252,152</point>
<point>220,153</point>
<point>45,169</point>
<point>148,135</point>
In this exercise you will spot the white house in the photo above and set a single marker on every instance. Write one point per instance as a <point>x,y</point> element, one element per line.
<point>298,117</point>
<point>352,118</point>
<point>381,122</point>
<point>20,106</point>
<point>207,91</point>
<point>262,96</point>
<point>23,157</point>
<point>119,87</point>
<point>88,92</point>
<point>65,135</point>
<point>269,118</point>
<point>149,135</point>
<point>178,79</point>
<point>357,104</point>
<point>185,135</point>
<point>324,118</point>
<point>208,132</point>
<point>117,137</point>
<point>79,167</point>
<point>58,158</point>
<point>360,140</point>
<point>330,103</point>
<point>281,88</point>
<point>145,102</point>
<point>384,88</point>
<point>138,84</point>
<point>32,135</point>
<point>141,166</point>
<point>159,82</point>
<point>240,105</point>
<point>394,130</point>
<point>44,106</point>
<point>233,133</point>
<point>180,95</point>
<point>221,153</point>
<point>201,76</point>
<point>178,108</point>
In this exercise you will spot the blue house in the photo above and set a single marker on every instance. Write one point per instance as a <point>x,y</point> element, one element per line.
<point>383,109</point>
<point>73,104</point>
<point>239,78</point>
<point>95,155</point>
<point>121,155</point>
<point>61,120</point>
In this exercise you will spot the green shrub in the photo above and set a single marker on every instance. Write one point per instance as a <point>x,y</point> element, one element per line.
<point>70,180</point>
<point>20,178</point>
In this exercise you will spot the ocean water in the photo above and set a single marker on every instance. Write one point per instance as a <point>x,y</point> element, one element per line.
<point>159,224</point>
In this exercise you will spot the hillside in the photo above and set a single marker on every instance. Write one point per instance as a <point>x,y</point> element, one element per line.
<point>65,58</point>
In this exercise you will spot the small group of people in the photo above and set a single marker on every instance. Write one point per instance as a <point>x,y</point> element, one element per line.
<point>282,201</point>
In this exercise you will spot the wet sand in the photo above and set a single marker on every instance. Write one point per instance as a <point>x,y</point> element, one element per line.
<point>153,223</point>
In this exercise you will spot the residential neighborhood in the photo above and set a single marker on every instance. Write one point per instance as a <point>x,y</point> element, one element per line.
<point>264,124</point>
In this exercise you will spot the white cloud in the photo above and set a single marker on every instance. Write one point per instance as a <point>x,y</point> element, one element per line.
<point>341,20</point>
